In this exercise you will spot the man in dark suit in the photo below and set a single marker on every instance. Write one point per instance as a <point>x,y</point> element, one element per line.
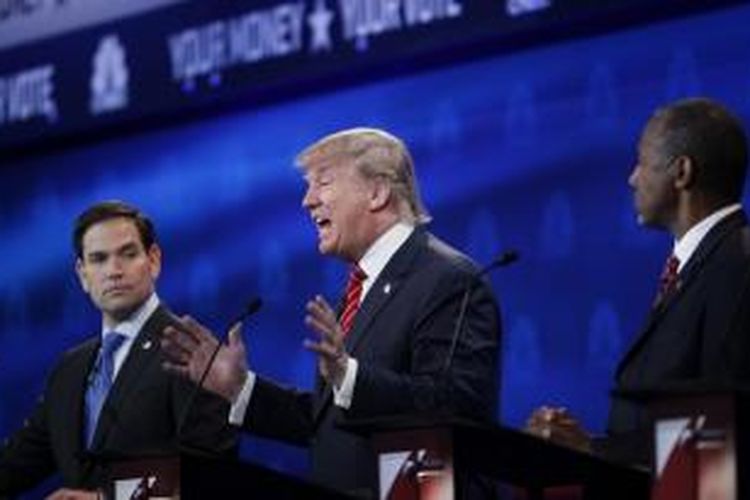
<point>388,351</point>
<point>692,161</point>
<point>79,421</point>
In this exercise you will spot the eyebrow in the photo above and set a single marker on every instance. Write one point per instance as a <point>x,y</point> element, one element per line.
<point>318,174</point>
<point>130,245</point>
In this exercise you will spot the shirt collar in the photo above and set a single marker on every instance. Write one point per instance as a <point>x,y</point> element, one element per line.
<point>380,252</point>
<point>131,326</point>
<point>685,246</point>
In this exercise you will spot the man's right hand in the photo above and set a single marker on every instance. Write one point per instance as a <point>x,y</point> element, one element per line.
<point>558,426</point>
<point>189,346</point>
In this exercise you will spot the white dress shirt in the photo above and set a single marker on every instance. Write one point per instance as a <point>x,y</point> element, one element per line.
<point>130,329</point>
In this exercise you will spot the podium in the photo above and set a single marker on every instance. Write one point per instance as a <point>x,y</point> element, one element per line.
<point>700,447</point>
<point>431,459</point>
<point>190,477</point>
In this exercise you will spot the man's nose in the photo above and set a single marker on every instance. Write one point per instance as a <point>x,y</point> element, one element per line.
<point>309,200</point>
<point>115,267</point>
<point>633,178</point>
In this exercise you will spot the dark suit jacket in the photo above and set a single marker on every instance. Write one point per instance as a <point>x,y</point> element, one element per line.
<point>401,337</point>
<point>139,416</point>
<point>697,334</point>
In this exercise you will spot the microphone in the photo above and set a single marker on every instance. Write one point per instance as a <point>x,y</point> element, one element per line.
<point>251,308</point>
<point>506,258</point>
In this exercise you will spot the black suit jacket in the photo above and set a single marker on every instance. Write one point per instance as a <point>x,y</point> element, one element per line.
<point>699,333</point>
<point>401,337</point>
<point>140,416</point>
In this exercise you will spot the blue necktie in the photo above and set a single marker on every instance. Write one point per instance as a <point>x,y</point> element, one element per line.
<point>100,380</point>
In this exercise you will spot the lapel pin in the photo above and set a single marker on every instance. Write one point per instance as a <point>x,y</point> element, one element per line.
<point>387,288</point>
<point>146,345</point>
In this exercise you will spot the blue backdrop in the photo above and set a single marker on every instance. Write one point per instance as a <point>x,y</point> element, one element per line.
<point>530,150</point>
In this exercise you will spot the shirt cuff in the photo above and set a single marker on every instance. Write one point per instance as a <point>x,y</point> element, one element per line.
<point>239,407</point>
<point>342,397</point>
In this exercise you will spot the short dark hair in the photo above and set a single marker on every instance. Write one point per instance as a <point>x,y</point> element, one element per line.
<point>112,209</point>
<point>712,137</point>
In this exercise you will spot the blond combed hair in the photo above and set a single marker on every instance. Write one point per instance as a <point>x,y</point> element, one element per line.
<point>376,153</point>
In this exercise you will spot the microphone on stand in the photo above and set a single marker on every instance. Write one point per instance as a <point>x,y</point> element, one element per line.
<point>251,308</point>
<point>504,259</point>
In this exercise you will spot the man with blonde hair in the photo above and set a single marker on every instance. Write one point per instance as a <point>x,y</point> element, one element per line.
<point>385,351</point>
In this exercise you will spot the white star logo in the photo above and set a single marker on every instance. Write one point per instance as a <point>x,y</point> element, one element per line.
<point>320,25</point>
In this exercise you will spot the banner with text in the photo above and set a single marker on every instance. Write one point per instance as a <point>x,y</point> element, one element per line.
<point>69,66</point>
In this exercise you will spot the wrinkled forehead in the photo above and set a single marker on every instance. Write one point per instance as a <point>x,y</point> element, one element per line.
<point>315,171</point>
<point>319,163</point>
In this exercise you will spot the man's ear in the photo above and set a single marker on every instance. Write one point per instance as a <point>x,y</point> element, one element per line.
<point>81,272</point>
<point>685,172</point>
<point>380,194</point>
<point>154,260</point>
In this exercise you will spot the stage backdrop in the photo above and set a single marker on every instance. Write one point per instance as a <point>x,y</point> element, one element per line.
<point>528,151</point>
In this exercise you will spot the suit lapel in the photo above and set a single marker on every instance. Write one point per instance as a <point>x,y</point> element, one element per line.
<point>143,352</point>
<point>385,288</point>
<point>382,291</point>
<point>686,277</point>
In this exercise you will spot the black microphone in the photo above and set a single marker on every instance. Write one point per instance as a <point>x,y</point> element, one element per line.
<point>504,259</point>
<point>251,308</point>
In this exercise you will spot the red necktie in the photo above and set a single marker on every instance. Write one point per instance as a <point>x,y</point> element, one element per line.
<point>669,278</point>
<point>351,300</point>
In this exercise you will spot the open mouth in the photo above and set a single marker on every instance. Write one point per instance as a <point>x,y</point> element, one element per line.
<point>322,223</point>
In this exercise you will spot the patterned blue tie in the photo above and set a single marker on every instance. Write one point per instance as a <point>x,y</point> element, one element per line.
<point>100,380</point>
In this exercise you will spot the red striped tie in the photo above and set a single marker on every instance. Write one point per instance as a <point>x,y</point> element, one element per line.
<point>669,279</point>
<point>351,300</point>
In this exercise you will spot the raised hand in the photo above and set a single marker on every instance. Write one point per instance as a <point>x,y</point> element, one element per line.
<point>332,357</point>
<point>189,347</point>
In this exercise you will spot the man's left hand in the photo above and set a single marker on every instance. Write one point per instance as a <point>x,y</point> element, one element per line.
<point>332,356</point>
